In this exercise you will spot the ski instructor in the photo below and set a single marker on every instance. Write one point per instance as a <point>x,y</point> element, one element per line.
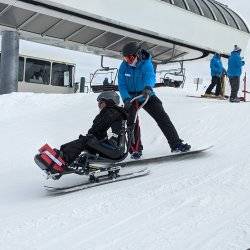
<point>136,76</point>
<point>234,71</point>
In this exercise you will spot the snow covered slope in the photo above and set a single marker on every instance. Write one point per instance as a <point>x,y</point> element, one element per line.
<point>200,203</point>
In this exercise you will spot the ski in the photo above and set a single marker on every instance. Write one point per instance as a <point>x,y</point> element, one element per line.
<point>101,180</point>
<point>164,158</point>
<point>209,97</point>
<point>225,97</point>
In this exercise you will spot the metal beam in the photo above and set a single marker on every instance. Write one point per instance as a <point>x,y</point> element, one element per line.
<point>199,7</point>
<point>213,14</point>
<point>179,55</point>
<point>75,33</point>
<point>186,4</point>
<point>27,21</point>
<point>52,26</point>
<point>162,53</point>
<point>238,25</point>
<point>155,46</point>
<point>5,9</point>
<point>114,43</point>
<point>225,18</point>
<point>97,37</point>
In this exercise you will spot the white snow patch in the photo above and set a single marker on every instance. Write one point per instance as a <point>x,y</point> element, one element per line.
<point>200,203</point>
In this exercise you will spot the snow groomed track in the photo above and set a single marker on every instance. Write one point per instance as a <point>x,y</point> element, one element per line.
<point>200,203</point>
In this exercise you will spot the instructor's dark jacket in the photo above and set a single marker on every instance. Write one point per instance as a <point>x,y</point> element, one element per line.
<point>109,117</point>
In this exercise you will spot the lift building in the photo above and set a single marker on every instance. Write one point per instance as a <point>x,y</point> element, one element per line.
<point>172,30</point>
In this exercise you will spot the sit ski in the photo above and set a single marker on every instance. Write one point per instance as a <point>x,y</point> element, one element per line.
<point>97,168</point>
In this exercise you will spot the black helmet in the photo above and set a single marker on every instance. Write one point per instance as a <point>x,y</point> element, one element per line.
<point>131,48</point>
<point>109,96</point>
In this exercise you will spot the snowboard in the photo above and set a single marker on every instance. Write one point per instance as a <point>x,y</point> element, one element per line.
<point>164,158</point>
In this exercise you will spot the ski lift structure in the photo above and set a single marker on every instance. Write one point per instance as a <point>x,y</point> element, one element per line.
<point>181,31</point>
<point>172,77</point>
<point>104,71</point>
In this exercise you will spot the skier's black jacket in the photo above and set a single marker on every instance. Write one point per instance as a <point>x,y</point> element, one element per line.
<point>96,140</point>
<point>110,116</point>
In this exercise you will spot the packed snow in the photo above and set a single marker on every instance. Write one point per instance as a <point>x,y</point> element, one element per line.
<point>196,203</point>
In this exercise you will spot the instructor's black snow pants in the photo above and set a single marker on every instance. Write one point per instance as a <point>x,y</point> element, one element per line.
<point>235,85</point>
<point>216,81</point>
<point>155,109</point>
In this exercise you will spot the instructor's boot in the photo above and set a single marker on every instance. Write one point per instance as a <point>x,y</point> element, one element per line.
<point>181,147</point>
<point>236,99</point>
<point>136,155</point>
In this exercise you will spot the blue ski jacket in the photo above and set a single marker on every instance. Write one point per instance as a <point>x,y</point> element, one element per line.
<point>133,80</point>
<point>216,66</point>
<point>235,64</point>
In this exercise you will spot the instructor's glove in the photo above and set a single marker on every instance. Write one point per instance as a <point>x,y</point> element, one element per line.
<point>127,104</point>
<point>147,91</point>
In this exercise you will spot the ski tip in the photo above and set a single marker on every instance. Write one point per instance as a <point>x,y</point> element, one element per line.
<point>146,171</point>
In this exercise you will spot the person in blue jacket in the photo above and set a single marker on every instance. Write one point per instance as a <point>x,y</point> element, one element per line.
<point>216,68</point>
<point>137,76</point>
<point>234,71</point>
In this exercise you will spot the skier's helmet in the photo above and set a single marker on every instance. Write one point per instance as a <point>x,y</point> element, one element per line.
<point>109,96</point>
<point>131,48</point>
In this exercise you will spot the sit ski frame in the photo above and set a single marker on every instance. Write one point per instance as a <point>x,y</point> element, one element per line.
<point>108,165</point>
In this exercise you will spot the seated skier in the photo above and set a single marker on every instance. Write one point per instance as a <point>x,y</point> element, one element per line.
<point>96,141</point>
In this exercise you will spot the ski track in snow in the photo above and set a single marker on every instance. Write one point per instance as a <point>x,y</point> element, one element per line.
<point>200,203</point>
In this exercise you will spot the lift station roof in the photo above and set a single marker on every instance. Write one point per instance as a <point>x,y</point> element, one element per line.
<point>170,29</point>
<point>212,10</point>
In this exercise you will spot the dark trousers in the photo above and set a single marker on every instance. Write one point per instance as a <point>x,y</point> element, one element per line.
<point>155,109</point>
<point>73,149</point>
<point>235,85</point>
<point>216,81</point>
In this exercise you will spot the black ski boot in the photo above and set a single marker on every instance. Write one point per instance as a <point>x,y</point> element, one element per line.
<point>136,155</point>
<point>236,99</point>
<point>181,147</point>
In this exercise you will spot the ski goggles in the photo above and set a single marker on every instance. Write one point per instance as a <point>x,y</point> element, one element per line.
<point>129,58</point>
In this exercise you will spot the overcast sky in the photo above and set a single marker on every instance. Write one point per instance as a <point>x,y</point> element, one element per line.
<point>86,63</point>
